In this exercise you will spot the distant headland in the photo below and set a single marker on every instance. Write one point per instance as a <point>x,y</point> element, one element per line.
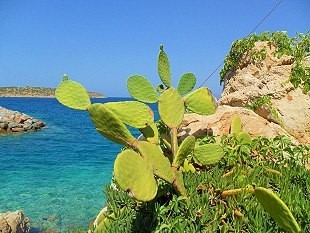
<point>43,92</point>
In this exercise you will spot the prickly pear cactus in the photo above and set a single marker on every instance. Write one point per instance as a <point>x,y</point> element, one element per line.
<point>109,125</point>
<point>277,209</point>
<point>171,108</point>
<point>155,157</point>
<point>200,101</point>
<point>236,125</point>
<point>188,167</point>
<point>244,138</point>
<point>186,83</point>
<point>208,154</point>
<point>141,89</point>
<point>72,94</point>
<point>150,133</point>
<point>164,67</point>
<point>186,147</point>
<point>133,113</point>
<point>135,175</point>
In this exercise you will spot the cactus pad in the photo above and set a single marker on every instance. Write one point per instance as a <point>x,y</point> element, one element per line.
<point>72,95</point>
<point>208,154</point>
<point>141,89</point>
<point>164,68</point>
<point>134,174</point>
<point>186,83</point>
<point>109,125</point>
<point>186,147</point>
<point>133,113</point>
<point>171,108</point>
<point>150,133</point>
<point>244,138</point>
<point>277,209</point>
<point>236,125</point>
<point>188,167</point>
<point>160,164</point>
<point>200,101</point>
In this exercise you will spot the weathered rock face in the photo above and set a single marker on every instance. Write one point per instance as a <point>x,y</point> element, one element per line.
<point>197,125</point>
<point>290,107</point>
<point>14,222</point>
<point>13,121</point>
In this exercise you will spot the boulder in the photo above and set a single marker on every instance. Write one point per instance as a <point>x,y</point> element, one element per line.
<point>14,222</point>
<point>219,123</point>
<point>288,106</point>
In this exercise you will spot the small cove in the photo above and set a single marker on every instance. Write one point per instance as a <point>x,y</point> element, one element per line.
<point>56,175</point>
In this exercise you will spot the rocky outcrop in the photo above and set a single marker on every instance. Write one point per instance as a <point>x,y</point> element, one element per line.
<point>220,122</point>
<point>288,106</point>
<point>13,121</point>
<point>14,222</point>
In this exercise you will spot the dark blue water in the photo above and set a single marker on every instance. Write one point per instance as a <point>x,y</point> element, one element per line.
<point>56,175</point>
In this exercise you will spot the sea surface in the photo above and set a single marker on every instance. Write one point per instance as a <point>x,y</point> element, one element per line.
<point>56,175</point>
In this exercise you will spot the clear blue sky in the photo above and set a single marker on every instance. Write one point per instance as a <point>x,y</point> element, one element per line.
<point>101,43</point>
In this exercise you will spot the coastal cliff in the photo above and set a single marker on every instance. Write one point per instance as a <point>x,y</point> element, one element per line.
<point>36,92</point>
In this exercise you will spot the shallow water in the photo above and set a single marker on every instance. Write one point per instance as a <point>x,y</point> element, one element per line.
<point>55,175</point>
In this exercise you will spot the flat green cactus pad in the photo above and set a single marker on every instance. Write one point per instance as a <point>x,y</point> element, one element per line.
<point>277,209</point>
<point>109,125</point>
<point>236,125</point>
<point>141,89</point>
<point>134,174</point>
<point>186,147</point>
<point>200,101</point>
<point>72,95</point>
<point>133,113</point>
<point>154,156</point>
<point>164,68</point>
<point>171,108</point>
<point>244,138</point>
<point>208,154</point>
<point>186,83</point>
<point>150,133</point>
<point>188,167</point>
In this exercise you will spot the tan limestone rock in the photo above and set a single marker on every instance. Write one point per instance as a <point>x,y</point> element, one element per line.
<point>220,122</point>
<point>291,108</point>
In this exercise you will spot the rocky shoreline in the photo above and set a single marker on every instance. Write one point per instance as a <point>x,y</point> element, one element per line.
<point>14,121</point>
<point>14,222</point>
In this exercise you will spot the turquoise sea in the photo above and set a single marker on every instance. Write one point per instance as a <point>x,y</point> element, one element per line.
<point>56,175</point>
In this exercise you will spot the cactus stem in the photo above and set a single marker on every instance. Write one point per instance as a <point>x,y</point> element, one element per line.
<point>174,141</point>
<point>232,192</point>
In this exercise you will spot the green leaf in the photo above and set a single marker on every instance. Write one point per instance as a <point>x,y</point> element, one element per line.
<point>72,95</point>
<point>186,83</point>
<point>141,89</point>
<point>200,101</point>
<point>109,125</point>
<point>164,68</point>
<point>133,113</point>
<point>277,209</point>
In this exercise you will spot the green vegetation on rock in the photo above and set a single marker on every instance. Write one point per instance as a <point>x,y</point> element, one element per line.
<point>298,47</point>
